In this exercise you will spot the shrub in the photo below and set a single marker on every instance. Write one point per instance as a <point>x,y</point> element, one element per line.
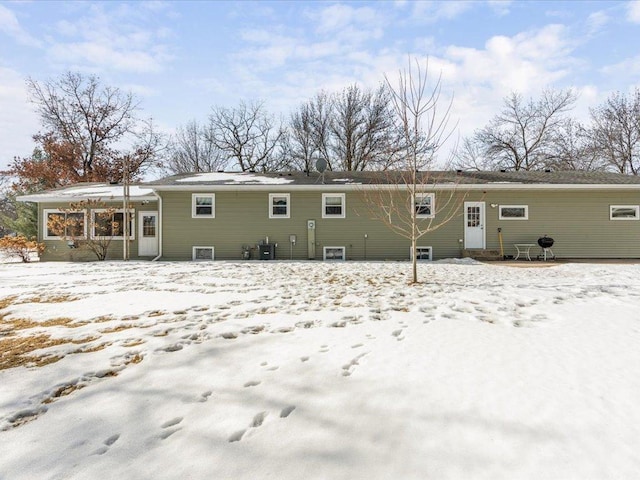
<point>20,247</point>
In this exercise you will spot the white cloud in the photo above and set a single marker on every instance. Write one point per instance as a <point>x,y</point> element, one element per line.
<point>337,17</point>
<point>434,11</point>
<point>597,21</point>
<point>18,122</point>
<point>115,39</point>
<point>99,55</point>
<point>10,26</point>
<point>629,68</point>
<point>500,7</point>
<point>633,11</point>
<point>525,62</point>
<point>350,25</point>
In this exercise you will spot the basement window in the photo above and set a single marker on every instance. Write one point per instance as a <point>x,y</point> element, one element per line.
<point>202,253</point>
<point>624,212</point>
<point>423,253</point>
<point>513,212</point>
<point>333,253</point>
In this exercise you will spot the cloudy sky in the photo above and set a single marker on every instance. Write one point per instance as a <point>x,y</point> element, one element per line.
<point>180,58</point>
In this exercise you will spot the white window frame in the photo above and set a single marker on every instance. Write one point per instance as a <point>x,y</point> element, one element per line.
<point>526,212</point>
<point>635,208</point>
<point>194,213</point>
<point>422,247</point>
<point>343,200</point>
<point>418,202</point>
<point>45,230</point>
<point>196,247</point>
<point>132,226</point>
<point>324,254</point>
<point>273,196</point>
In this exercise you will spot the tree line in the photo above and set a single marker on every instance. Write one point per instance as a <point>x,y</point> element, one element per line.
<point>92,132</point>
<point>95,132</point>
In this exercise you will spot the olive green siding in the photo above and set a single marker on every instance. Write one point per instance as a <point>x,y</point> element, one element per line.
<point>578,220</point>
<point>59,250</point>
<point>242,218</point>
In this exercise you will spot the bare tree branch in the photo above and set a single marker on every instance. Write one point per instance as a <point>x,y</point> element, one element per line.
<point>408,203</point>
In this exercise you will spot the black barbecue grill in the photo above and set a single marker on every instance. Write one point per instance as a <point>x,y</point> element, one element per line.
<point>546,243</point>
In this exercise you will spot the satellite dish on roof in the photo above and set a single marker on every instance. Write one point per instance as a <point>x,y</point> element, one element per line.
<point>321,165</point>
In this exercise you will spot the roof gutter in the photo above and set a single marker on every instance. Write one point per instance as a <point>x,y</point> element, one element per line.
<point>38,198</point>
<point>159,198</point>
<point>360,186</point>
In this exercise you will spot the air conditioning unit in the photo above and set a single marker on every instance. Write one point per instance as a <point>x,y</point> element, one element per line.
<point>267,251</point>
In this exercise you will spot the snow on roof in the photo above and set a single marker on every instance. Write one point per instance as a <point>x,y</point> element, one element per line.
<point>343,180</point>
<point>89,191</point>
<point>236,178</point>
<point>106,191</point>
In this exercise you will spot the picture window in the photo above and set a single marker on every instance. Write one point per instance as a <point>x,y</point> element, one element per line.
<point>513,212</point>
<point>624,212</point>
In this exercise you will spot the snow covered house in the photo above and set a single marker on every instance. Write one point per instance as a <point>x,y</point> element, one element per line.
<point>330,216</point>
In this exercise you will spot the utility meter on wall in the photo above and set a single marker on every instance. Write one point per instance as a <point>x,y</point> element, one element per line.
<point>311,224</point>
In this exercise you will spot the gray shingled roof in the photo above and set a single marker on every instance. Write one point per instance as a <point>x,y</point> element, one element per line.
<point>393,177</point>
<point>314,180</point>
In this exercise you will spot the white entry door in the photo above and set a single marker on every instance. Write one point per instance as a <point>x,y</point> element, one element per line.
<point>148,234</point>
<point>474,233</point>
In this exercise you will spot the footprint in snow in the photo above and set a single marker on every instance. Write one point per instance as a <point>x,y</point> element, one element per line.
<point>286,411</point>
<point>252,383</point>
<point>166,426</point>
<point>204,396</point>
<point>237,436</point>
<point>107,443</point>
<point>257,421</point>
<point>397,333</point>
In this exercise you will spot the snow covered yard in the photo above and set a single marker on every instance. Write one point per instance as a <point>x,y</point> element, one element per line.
<point>292,370</point>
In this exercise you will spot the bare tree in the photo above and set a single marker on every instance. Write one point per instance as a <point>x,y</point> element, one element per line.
<point>521,136</point>
<point>616,132</point>
<point>304,138</point>
<point>571,148</point>
<point>408,204</point>
<point>248,136</point>
<point>90,118</point>
<point>351,130</point>
<point>192,150</point>
<point>470,156</point>
<point>363,129</point>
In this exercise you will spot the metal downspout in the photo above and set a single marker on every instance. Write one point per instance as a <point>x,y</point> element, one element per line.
<point>159,227</point>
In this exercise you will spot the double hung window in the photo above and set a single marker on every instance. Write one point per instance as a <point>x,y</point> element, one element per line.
<point>279,205</point>
<point>203,205</point>
<point>333,205</point>
<point>424,205</point>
